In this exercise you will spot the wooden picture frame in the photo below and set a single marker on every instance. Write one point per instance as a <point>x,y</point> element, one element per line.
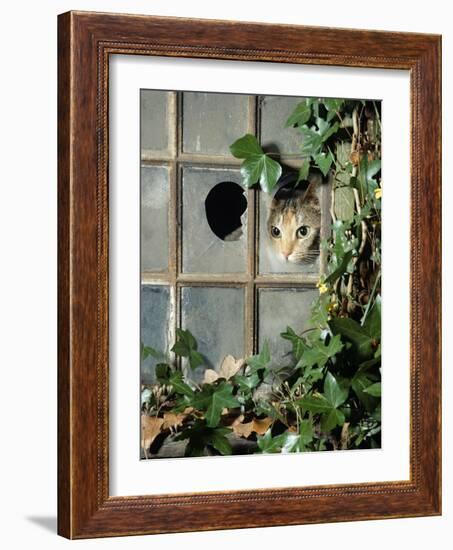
<point>85,41</point>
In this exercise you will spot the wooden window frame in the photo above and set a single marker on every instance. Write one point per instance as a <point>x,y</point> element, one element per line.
<point>86,40</point>
<point>251,280</point>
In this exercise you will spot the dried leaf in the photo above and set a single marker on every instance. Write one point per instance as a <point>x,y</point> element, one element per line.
<point>259,427</point>
<point>151,428</point>
<point>344,436</point>
<point>229,367</point>
<point>173,420</point>
<point>210,376</point>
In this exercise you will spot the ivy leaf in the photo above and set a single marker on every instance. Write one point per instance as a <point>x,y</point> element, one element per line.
<point>314,137</point>
<point>315,403</point>
<point>362,342</point>
<point>305,432</point>
<point>333,106</point>
<point>320,353</point>
<point>221,398</point>
<point>341,269</point>
<point>260,361</point>
<point>186,346</point>
<point>195,359</point>
<point>373,322</point>
<point>359,383</point>
<point>334,393</point>
<point>257,165</point>
<point>374,389</point>
<point>246,147</point>
<point>247,383</point>
<point>331,420</point>
<point>303,171</point>
<point>148,351</point>
<point>263,169</point>
<point>218,440</point>
<point>324,162</point>
<point>297,341</point>
<point>179,386</point>
<point>162,372</point>
<point>301,114</point>
<point>367,172</point>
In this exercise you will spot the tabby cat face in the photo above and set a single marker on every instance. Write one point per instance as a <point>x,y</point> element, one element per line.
<point>294,224</point>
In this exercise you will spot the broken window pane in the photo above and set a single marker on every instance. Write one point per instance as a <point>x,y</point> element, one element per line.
<point>215,316</point>
<point>154,326</point>
<point>154,120</point>
<point>155,192</point>
<point>212,122</point>
<point>277,309</point>
<point>275,111</point>
<point>206,251</point>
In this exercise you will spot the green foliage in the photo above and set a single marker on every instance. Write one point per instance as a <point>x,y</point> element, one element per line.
<point>257,165</point>
<point>329,396</point>
<point>186,346</point>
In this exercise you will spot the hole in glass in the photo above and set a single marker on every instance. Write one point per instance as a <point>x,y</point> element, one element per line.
<point>225,205</point>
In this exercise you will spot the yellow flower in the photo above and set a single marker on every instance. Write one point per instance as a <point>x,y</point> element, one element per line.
<point>378,192</point>
<point>322,287</point>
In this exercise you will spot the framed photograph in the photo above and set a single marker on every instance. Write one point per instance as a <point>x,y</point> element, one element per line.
<point>249,275</point>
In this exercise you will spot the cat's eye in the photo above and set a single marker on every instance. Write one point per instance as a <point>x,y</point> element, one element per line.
<point>302,231</point>
<point>275,232</point>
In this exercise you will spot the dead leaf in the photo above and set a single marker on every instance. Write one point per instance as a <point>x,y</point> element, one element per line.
<point>173,420</point>
<point>344,436</point>
<point>229,367</point>
<point>151,428</point>
<point>210,376</point>
<point>259,427</point>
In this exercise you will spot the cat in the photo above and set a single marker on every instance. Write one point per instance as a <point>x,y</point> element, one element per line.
<point>294,224</point>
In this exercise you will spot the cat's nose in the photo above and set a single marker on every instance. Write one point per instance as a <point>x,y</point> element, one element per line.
<point>286,255</point>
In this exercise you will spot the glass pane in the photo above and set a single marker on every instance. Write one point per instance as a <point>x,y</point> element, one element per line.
<point>277,309</point>
<point>155,193</point>
<point>154,120</point>
<point>215,316</point>
<point>204,211</point>
<point>304,254</point>
<point>275,137</point>
<point>154,327</point>
<point>212,122</point>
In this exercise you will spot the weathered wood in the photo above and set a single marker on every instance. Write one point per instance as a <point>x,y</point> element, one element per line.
<point>85,42</point>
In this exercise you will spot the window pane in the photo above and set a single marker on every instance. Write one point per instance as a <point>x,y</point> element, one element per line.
<point>154,327</point>
<point>275,137</point>
<point>212,122</point>
<point>215,316</point>
<point>155,191</point>
<point>270,250</point>
<point>204,251</point>
<point>277,309</point>
<point>154,120</point>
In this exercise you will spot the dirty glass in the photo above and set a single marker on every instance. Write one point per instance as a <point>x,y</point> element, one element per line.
<point>215,316</point>
<point>277,309</point>
<point>154,325</point>
<point>202,250</point>
<point>212,122</point>
<point>154,120</point>
<point>155,195</point>
<point>275,137</point>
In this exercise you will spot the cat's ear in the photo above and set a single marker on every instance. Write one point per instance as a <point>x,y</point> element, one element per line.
<point>312,194</point>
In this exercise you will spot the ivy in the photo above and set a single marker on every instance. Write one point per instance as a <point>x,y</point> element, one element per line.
<point>329,393</point>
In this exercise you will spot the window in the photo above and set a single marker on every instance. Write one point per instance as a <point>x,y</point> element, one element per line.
<point>203,261</point>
